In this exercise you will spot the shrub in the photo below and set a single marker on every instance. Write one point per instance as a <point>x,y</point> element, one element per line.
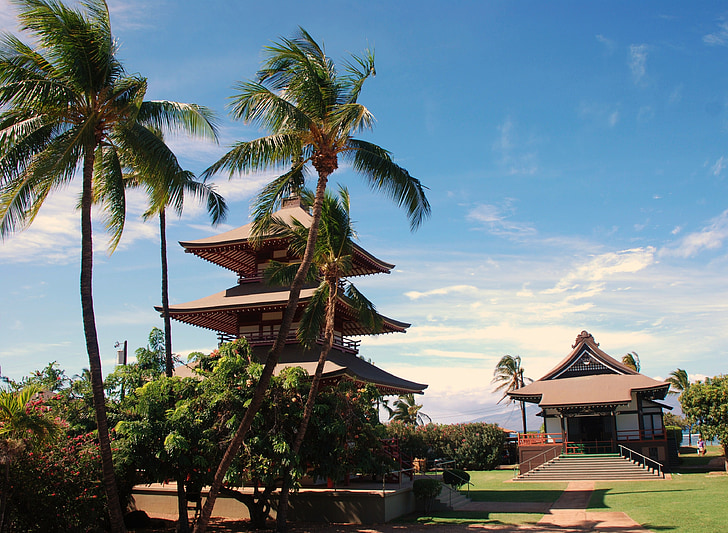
<point>59,488</point>
<point>455,478</point>
<point>476,446</point>
<point>427,489</point>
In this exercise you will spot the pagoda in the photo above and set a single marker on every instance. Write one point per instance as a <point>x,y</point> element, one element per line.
<point>254,310</point>
<point>592,403</point>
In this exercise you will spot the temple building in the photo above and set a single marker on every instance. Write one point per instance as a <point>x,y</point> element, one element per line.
<point>592,403</point>
<point>254,309</point>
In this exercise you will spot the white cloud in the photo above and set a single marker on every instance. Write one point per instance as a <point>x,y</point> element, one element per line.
<point>498,220</point>
<point>718,37</point>
<point>609,44</point>
<point>514,157</point>
<point>603,114</point>
<point>719,166</point>
<point>638,62</point>
<point>455,289</point>
<point>710,237</point>
<point>8,19</point>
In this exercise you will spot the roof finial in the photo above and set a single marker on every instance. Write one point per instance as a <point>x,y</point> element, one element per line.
<point>584,336</point>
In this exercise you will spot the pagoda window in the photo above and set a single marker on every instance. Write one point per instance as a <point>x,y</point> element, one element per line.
<point>272,316</point>
<point>279,254</point>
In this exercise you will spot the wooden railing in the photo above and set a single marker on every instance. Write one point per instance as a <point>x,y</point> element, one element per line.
<point>530,439</point>
<point>258,339</point>
<point>642,434</point>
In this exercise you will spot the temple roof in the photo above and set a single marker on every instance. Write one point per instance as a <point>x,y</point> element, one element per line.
<point>234,251</point>
<point>588,377</point>
<point>219,311</point>
<point>338,365</point>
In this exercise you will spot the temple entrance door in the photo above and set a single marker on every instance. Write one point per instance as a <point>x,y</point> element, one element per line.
<point>593,434</point>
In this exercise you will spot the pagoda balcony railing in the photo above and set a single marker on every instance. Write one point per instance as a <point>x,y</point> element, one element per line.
<point>267,339</point>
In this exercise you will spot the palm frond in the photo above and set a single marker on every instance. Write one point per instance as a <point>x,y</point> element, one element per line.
<point>367,314</point>
<point>260,154</point>
<point>174,116</point>
<point>314,316</point>
<point>109,191</point>
<point>386,176</point>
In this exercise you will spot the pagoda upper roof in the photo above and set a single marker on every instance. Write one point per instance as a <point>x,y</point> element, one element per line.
<point>589,377</point>
<point>235,251</point>
<point>219,311</point>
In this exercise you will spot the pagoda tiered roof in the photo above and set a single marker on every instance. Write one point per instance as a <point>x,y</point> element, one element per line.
<point>219,311</point>
<point>589,377</point>
<point>234,250</point>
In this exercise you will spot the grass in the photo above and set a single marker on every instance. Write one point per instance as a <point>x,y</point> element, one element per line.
<point>491,486</point>
<point>691,502</point>
<point>480,518</point>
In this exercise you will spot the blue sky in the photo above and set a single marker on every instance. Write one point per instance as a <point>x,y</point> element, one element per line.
<point>576,156</point>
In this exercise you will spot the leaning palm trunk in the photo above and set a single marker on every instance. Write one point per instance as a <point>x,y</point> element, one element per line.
<point>169,366</point>
<point>271,362</point>
<point>116,514</point>
<point>310,401</point>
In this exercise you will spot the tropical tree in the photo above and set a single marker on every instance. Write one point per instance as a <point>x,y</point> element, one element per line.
<point>166,188</point>
<point>679,381</point>
<point>331,263</point>
<point>20,426</point>
<point>407,411</point>
<point>705,404</point>
<point>312,113</point>
<point>632,360</point>
<point>68,103</point>
<point>509,373</point>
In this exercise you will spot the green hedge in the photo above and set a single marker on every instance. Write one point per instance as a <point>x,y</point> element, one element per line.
<point>475,446</point>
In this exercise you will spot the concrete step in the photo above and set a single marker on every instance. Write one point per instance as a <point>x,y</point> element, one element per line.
<point>586,467</point>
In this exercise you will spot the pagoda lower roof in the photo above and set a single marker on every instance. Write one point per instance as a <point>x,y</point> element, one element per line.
<point>219,311</point>
<point>586,391</point>
<point>340,364</point>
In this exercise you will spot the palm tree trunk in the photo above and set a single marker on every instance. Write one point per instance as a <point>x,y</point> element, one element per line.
<point>169,366</point>
<point>310,401</point>
<point>183,523</point>
<point>271,362</point>
<point>116,514</point>
<point>523,416</point>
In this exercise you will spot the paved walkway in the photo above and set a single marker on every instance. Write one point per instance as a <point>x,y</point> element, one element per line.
<point>568,513</point>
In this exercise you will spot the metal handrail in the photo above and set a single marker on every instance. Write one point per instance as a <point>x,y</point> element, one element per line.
<point>623,449</point>
<point>556,449</point>
<point>399,474</point>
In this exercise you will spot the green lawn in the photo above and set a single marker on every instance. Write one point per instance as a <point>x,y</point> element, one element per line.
<point>491,486</point>
<point>692,502</point>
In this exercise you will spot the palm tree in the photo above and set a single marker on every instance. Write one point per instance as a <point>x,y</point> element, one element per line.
<point>509,373</point>
<point>312,114</point>
<point>166,187</point>
<point>632,360</point>
<point>679,383</point>
<point>332,261</point>
<point>65,104</point>
<point>407,411</point>
<point>20,426</point>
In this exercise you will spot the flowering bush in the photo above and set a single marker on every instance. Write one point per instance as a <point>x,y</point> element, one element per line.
<point>58,488</point>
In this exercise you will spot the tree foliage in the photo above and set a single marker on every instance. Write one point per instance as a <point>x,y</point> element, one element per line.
<point>705,404</point>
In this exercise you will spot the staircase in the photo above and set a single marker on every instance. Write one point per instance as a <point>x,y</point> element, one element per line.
<point>405,464</point>
<point>450,500</point>
<point>589,468</point>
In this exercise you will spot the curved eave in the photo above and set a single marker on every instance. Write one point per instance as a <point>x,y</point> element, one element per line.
<point>219,311</point>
